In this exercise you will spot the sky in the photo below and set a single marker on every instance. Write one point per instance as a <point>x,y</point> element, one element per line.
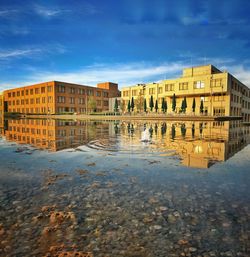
<point>122,41</point>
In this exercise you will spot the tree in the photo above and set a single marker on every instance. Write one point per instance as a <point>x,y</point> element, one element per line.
<point>116,106</point>
<point>163,105</point>
<point>201,107</point>
<point>174,103</point>
<point>185,104</point>
<point>91,104</point>
<point>156,105</point>
<point>132,104</point>
<point>128,106</point>
<point>151,104</point>
<point>145,105</point>
<point>194,105</point>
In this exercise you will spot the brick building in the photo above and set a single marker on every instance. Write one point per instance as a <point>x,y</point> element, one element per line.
<point>56,97</point>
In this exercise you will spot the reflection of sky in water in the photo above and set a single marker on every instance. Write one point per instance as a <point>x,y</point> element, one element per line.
<point>126,193</point>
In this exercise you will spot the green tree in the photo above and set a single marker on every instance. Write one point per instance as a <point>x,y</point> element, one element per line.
<point>151,104</point>
<point>145,105</point>
<point>174,103</point>
<point>185,104</point>
<point>91,104</point>
<point>129,107</point>
<point>163,105</point>
<point>202,107</point>
<point>156,105</point>
<point>116,105</point>
<point>194,105</point>
<point>132,104</point>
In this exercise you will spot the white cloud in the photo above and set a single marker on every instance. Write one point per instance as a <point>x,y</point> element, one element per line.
<point>49,12</point>
<point>7,13</point>
<point>7,54</point>
<point>123,74</point>
<point>30,52</point>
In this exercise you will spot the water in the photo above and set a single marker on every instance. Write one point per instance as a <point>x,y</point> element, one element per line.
<point>99,188</point>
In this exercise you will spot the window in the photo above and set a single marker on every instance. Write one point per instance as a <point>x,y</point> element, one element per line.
<point>71,100</point>
<point>72,90</point>
<point>218,98</point>
<point>160,90</point>
<point>183,86</point>
<point>9,94</point>
<point>98,93</point>
<point>43,100</point>
<point>219,111</point>
<point>105,103</point>
<point>81,101</point>
<point>37,91</point>
<point>90,92</point>
<point>125,93</point>
<point>61,99</point>
<point>13,94</point>
<point>38,100</point>
<point>199,84</point>
<point>169,87</point>
<point>18,93</point>
<point>105,94</point>
<point>204,98</point>
<point>31,101</point>
<point>31,91</point>
<point>99,102</point>
<point>216,83</point>
<point>151,91</point>
<point>42,90</point>
<point>50,99</point>
<point>22,92</point>
<point>134,92</point>
<point>27,101</point>
<point>81,91</point>
<point>61,89</point>
<point>49,88</point>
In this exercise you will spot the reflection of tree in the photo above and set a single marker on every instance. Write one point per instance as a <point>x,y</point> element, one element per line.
<point>91,104</point>
<point>193,130</point>
<point>183,130</point>
<point>173,132</point>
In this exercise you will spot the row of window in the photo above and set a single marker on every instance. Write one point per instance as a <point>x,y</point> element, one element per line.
<point>237,87</point>
<point>37,100</point>
<point>32,110</point>
<point>81,91</point>
<point>32,91</point>
<point>73,100</point>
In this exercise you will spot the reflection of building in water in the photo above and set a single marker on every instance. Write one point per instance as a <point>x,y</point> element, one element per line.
<point>199,144</point>
<point>54,135</point>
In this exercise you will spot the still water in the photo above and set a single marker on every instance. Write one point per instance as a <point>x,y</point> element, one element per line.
<point>96,188</point>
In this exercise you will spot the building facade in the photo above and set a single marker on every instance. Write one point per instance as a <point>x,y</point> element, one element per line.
<point>56,97</point>
<point>220,92</point>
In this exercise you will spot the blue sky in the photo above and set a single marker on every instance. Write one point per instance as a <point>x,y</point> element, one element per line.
<point>124,41</point>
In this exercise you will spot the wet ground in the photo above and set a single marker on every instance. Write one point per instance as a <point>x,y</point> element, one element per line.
<point>110,194</point>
